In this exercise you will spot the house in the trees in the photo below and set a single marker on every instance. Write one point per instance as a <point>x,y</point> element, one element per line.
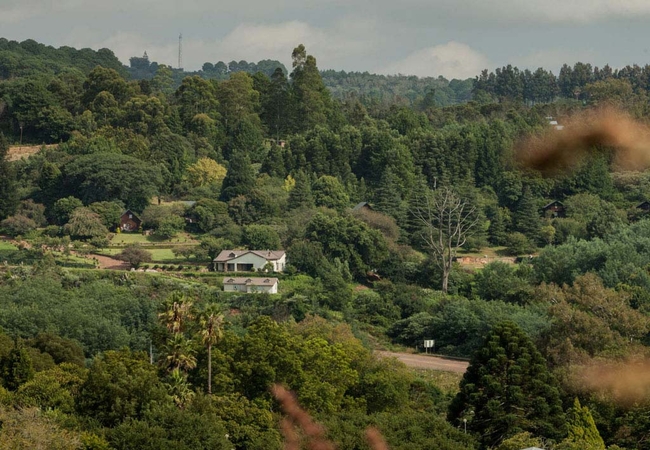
<point>251,285</point>
<point>645,206</point>
<point>129,221</point>
<point>555,209</point>
<point>362,206</point>
<point>250,260</point>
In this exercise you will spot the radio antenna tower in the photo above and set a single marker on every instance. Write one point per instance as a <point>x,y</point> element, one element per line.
<point>180,51</point>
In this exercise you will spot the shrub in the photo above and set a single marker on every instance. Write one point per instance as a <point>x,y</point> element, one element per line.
<point>17,225</point>
<point>518,244</point>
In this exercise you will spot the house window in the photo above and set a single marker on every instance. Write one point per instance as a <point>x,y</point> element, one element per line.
<point>130,216</point>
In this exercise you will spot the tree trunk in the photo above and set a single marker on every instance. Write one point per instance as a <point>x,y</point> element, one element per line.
<point>209,369</point>
<point>445,279</point>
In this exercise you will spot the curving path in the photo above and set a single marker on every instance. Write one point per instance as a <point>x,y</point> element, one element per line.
<point>421,361</point>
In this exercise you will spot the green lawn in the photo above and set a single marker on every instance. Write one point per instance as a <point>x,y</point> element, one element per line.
<point>122,239</point>
<point>7,246</point>
<point>157,254</point>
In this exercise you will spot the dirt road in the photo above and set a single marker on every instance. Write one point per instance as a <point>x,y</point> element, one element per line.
<point>427,362</point>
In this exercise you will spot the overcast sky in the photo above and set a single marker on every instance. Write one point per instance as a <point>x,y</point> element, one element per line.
<point>453,38</point>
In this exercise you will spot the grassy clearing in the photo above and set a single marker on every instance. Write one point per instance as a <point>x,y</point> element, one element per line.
<point>122,239</point>
<point>157,254</point>
<point>447,382</point>
<point>7,246</point>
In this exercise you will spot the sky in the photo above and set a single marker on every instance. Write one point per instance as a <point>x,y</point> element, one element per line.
<point>452,38</point>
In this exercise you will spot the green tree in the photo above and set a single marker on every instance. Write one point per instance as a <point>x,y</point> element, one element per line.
<point>170,226</point>
<point>508,389</point>
<point>85,224</point>
<point>8,192</point>
<point>120,385</point>
<point>16,368</point>
<point>329,192</point>
<point>205,171</point>
<point>261,237</point>
<point>312,99</point>
<point>301,196</point>
<point>110,213</point>
<point>526,216</point>
<point>108,176</point>
<point>63,208</point>
<point>583,433</point>
<point>134,255</point>
<point>240,178</point>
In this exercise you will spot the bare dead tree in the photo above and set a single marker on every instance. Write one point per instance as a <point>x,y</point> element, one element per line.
<point>446,221</point>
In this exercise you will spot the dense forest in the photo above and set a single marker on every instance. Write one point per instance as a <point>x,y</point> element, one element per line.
<point>405,214</point>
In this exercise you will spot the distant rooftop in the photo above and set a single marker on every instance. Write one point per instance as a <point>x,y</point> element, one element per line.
<point>250,281</point>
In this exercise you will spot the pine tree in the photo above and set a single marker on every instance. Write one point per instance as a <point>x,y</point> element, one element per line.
<point>274,162</point>
<point>497,231</point>
<point>8,193</point>
<point>387,196</point>
<point>300,196</point>
<point>508,389</point>
<point>527,220</point>
<point>583,434</point>
<point>240,178</point>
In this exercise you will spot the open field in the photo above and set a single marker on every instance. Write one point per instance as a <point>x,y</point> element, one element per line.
<point>4,245</point>
<point>157,254</point>
<point>123,239</point>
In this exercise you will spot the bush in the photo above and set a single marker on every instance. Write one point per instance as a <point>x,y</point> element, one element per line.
<point>518,244</point>
<point>17,225</point>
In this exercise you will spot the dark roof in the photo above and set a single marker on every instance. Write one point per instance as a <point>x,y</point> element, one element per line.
<point>269,255</point>
<point>360,205</point>
<point>128,211</point>
<point>553,203</point>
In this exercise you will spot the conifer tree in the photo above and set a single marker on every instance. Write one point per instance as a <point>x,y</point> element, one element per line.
<point>508,389</point>
<point>240,178</point>
<point>300,196</point>
<point>527,220</point>
<point>582,431</point>
<point>387,196</point>
<point>497,230</point>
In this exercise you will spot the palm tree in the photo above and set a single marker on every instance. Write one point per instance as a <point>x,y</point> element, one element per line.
<point>178,312</point>
<point>180,353</point>
<point>179,388</point>
<point>210,333</point>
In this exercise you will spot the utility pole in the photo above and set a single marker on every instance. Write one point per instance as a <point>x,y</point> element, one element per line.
<point>180,51</point>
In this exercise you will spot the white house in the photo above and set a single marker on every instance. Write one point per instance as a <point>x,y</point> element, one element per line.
<point>251,285</point>
<point>249,260</point>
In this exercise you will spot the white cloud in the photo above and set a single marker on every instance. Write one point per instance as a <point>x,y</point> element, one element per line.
<point>252,42</point>
<point>451,60</point>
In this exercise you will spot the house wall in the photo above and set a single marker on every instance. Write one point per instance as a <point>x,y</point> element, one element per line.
<point>278,265</point>
<point>127,224</point>
<point>250,289</point>
<point>249,258</point>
